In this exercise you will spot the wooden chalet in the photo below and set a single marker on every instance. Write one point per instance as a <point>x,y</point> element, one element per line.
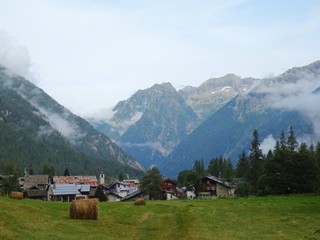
<point>170,189</point>
<point>35,186</point>
<point>214,187</point>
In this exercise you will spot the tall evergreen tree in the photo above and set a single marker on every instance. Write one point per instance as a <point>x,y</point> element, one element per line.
<point>283,142</point>
<point>66,172</point>
<point>198,167</point>
<point>242,166</point>
<point>292,142</point>
<point>255,161</point>
<point>229,172</point>
<point>100,194</point>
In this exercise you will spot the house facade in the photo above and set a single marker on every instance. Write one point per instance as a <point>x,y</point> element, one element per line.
<point>63,192</point>
<point>35,186</point>
<point>170,189</point>
<point>211,186</point>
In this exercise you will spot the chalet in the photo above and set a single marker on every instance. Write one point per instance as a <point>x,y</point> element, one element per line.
<point>63,192</point>
<point>119,188</point>
<point>35,186</point>
<point>169,189</point>
<point>211,186</point>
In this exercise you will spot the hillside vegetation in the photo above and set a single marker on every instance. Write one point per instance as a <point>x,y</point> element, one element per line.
<point>290,217</point>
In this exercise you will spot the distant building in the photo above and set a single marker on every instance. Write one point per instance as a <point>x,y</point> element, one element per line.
<point>34,186</point>
<point>63,192</point>
<point>214,187</point>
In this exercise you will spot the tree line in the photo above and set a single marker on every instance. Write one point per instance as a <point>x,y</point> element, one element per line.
<point>290,168</point>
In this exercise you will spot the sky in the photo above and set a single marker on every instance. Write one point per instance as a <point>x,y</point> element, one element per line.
<point>91,54</point>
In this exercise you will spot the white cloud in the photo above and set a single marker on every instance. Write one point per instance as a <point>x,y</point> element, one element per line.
<point>268,144</point>
<point>14,57</point>
<point>92,54</point>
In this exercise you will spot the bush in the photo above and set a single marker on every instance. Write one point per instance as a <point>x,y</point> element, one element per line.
<point>84,209</point>
<point>140,202</point>
<point>243,189</point>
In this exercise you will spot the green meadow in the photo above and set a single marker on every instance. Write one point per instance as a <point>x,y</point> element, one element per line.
<point>276,217</point>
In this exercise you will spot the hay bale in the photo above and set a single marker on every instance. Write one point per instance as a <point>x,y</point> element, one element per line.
<point>140,202</point>
<point>16,195</point>
<point>84,209</point>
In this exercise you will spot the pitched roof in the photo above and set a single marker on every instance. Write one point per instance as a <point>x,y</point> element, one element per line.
<point>84,188</point>
<point>65,189</point>
<point>88,180</point>
<point>215,179</point>
<point>35,180</point>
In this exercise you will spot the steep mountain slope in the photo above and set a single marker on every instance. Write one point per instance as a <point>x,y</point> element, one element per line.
<point>152,122</point>
<point>34,124</point>
<point>274,105</point>
<point>215,92</point>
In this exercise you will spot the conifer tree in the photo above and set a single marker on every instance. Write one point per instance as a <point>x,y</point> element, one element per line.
<point>100,194</point>
<point>242,166</point>
<point>255,161</point>
<point>292,142</point>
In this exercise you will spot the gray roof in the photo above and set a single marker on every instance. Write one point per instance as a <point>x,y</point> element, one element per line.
<point>84,188</point>
<point>65,189</point>
<point>225,183</point>
<point>35,180</point>
<point>132,195</point>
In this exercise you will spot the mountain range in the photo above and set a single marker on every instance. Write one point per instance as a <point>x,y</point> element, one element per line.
<point>36,130</point>
<point>159,125</point>
<point>171,129</point>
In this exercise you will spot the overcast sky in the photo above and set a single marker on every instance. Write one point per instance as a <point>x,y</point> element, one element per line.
<point>90,54</point>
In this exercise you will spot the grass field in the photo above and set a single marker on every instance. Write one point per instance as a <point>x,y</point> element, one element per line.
<point>292,217</point>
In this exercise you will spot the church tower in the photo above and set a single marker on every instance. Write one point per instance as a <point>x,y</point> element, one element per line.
<point>101,178</point>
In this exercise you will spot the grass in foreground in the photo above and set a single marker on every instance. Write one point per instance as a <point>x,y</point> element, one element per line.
<point>287,217</point>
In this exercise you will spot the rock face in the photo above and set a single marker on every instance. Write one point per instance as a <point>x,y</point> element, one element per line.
<point>215,93</point>
<point>152,122</point>
<point>43,121</point>
<point>292,99</point>
<point>172,129</point>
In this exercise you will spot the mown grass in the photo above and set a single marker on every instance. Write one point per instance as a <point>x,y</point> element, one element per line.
<point>287,217</point>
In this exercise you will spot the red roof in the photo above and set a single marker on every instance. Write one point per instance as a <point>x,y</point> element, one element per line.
<point>88,180</point>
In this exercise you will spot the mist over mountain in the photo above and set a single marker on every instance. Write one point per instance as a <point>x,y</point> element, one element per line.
<point>291,99</point>
<point>150,123</point>
<point>32,119</point>
<point>171,129</point>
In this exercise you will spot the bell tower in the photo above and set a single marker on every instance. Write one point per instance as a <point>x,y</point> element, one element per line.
<point>101,178</point>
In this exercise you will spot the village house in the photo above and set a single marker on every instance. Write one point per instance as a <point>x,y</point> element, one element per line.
<point>170,189</point>
<point>87,185</point>
<point>63,192</point>
<point>34,186</point>
<point>122,190</point>
<point>211,186</point>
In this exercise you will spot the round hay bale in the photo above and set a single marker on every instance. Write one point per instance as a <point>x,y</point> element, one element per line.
<point>140,202</point>
<point>16,195</point>
<point>84,209</point>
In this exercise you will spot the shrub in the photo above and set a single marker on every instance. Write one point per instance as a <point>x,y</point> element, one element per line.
<point>140,202</point>
<point>243,189</point>
<point>84,209</point>
<point>16,195</point>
